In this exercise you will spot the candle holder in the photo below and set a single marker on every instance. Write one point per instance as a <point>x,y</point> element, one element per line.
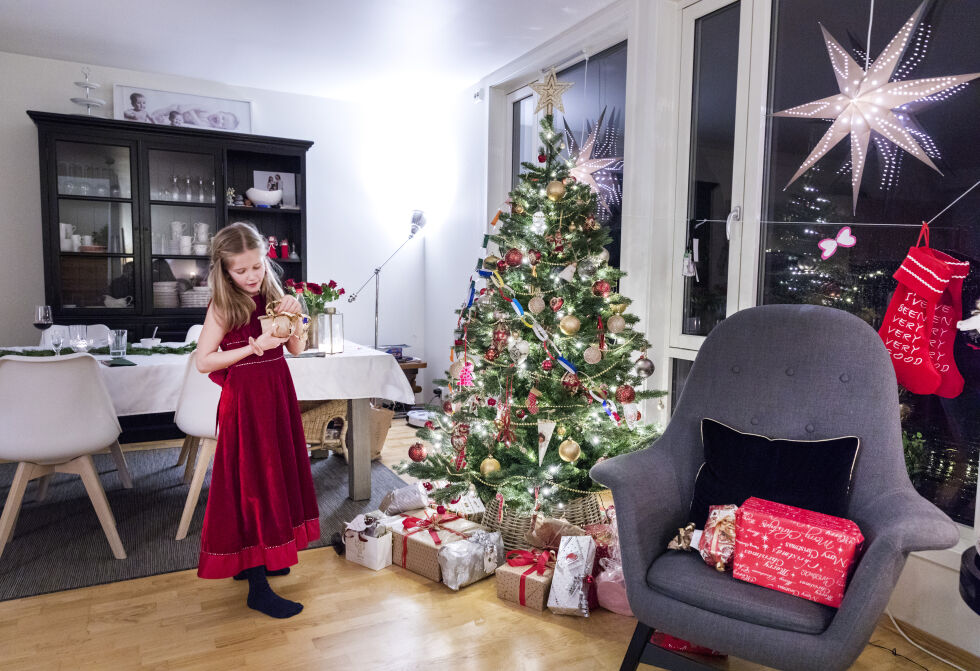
<point>330,331</point>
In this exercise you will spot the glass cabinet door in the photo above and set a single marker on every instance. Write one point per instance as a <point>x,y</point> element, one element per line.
<point>183,219</point>
<point>714,85</point>
<point>95,232</point>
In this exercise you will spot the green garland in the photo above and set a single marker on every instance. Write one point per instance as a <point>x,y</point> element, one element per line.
<point>160,349</point>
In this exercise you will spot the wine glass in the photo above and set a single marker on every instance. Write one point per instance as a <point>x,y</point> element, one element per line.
<point>42,317</point>
<point>78,338</point>
<point>57,341</point>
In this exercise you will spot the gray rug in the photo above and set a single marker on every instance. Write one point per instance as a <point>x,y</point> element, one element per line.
<point>59,544</point>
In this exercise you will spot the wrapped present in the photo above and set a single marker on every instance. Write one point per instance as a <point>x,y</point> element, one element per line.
<point>573,579</point>
<point>470,560</point>
<point>668,642</point>
<point>416,543</point>
<point>611,587</point>
<point>800,552</point>
<point>546,532</point>
<point>526,577</point>
<point>469,505</point>
<point>404,499</point>
<point>717,542</point>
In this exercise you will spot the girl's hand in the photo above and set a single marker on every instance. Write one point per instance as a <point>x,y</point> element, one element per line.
<point>258,351</point>
<point>289,303</point>
<point>267,341</point>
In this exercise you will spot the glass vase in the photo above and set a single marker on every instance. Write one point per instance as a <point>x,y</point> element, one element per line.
<point>330,331</point>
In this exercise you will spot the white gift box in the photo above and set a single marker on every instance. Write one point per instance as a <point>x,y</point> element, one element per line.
<point>373,553</point>
<point>569,591</point>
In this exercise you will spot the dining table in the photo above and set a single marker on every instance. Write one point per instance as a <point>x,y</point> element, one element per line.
<point>358,374</point>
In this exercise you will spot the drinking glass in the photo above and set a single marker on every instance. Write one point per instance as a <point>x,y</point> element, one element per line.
<point>200,189</point>
<point>117,343</point>
<point>57,341</point>
<point>78,338</point>
<point>187,188</point>
<point>175,187</point>
<point>42,317</point>
<point>85,185</point>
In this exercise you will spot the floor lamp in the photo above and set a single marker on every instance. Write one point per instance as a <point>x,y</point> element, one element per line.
<point>418,221</point>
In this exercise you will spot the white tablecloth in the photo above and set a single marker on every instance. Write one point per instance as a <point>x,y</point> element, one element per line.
<point>153,384</point>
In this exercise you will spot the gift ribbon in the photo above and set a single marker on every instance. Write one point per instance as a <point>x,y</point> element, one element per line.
<point>413,525</point>
<point>537,561</point>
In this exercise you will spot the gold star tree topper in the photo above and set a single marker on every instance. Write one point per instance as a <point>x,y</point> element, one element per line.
<point>868,102</point>
<point>549,93</point>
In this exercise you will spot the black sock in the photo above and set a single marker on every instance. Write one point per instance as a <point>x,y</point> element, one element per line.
<point>263,599</point>
<point>281,571</point>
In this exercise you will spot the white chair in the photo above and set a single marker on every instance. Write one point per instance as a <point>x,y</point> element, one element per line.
<point>196,416</point>
<point>46,334</point>
<point>56,413</point>
<point>193,333</point>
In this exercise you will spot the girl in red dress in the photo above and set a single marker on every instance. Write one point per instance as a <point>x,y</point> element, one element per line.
<point>262,507</point>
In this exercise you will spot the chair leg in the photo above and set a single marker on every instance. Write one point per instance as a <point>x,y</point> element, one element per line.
<point>193,452</point>
<point>185,448</point>
<point>121,467</point>
<point>85,468</point>
<point>639,642</point>
<point>14,499</point>
<point>42,487</point>
<point>204,457</point>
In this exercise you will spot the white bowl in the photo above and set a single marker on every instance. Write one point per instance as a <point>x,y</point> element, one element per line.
<point>263,197</point>
<point>150,342</point>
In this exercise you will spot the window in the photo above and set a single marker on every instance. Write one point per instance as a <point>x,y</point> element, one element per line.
<point>896,193</point>
<point>599,90</point>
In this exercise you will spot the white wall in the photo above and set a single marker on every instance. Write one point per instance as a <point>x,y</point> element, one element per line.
<point>356,217</point>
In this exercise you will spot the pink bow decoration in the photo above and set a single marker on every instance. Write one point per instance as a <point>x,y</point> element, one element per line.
<point>829,246</point>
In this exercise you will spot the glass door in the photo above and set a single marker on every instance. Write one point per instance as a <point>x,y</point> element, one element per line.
<point>95,232</point>
<point>182,221</point>
<point>715,47</point>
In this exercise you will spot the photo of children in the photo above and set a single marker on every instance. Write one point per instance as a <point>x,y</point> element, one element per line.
<point>181,109</point>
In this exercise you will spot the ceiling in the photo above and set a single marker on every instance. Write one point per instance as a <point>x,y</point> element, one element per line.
<point>337,49</point>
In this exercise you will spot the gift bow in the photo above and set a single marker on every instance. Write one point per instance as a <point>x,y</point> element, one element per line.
<point>538,562</point>
<point>434,524</point>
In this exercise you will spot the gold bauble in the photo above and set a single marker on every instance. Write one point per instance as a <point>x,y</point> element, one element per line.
<point>592,354</point>
<point>569,450</point>
<point>569,325</point>
<point>616,324</point>
<point>489,465</point>
<point>490,263</point>
<point>560,431</point>
<point>517,209</point>
<point>536,304</point>
<point>617,308</point>
<point>555,190</point>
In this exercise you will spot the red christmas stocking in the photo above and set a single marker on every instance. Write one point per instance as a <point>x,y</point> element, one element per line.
<point>949,310</point>
<point>922,279</point>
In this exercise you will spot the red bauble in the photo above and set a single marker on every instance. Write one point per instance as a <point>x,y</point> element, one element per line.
<point>430,425</point>
<point>521,413</point>
<point>547,365</point>
<point>556,302</point>
<point>501,265</point>
<point>491,401</point>
<point>447,407</point>
<point>638,416</point>
<point>568,180</point>
<point>626,394</point>
<point>601,288</point>
<point>513,257</point>
<point>416,452</point>
<point>490,355</point>
<point>542,158</point>
<point>428,486</point>
<point>440,510</point>
<point>534,256</point>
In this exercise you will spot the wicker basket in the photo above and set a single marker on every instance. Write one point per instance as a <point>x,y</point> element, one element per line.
<point>317,415</point>
<point>513,527</point>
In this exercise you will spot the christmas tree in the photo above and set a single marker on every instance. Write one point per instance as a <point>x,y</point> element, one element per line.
<point>547,362</point>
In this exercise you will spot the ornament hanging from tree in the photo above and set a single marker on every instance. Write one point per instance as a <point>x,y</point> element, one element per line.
<point>869,102</point>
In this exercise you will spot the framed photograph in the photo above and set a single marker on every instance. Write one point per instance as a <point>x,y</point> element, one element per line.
<point>143,105</point>
<point>272,181</point>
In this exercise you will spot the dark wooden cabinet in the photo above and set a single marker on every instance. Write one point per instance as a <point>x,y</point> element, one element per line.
<point>142,202</point>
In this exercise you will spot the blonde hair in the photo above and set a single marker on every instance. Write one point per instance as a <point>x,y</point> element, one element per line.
<point>233,305</point>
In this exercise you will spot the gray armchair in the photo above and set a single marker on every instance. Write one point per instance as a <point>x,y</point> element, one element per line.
<point>790,371</point>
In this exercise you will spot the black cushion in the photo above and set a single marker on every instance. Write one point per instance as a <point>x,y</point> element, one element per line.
<point>809,474</point>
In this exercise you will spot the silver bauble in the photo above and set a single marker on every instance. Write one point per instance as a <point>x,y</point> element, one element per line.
<point>645,367</point>
<point>616,324</point>
<point>586,268</point>
<point>536,304</point>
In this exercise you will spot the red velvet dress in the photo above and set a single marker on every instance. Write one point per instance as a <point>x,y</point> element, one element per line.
<point>262,507</point>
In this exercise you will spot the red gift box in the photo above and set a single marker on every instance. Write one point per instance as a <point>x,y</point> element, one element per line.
<point>800,552</point>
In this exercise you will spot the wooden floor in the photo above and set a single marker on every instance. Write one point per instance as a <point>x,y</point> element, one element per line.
<point>354,620</point>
